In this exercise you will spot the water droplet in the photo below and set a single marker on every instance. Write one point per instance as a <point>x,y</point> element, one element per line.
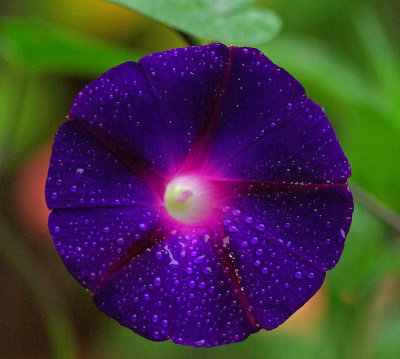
<point>225,209</point>
<point>298,275</point>
<point>199,343</point>
<point>233,229</point>
<point>236,212</point>
<point>157,281</point>
<point>206,270</point>
<point>79,172</point>
<point>199,259</point>
<point>164,323</point>
<point>143,226</point>
<point>260,227</point>
<point>254,240</point>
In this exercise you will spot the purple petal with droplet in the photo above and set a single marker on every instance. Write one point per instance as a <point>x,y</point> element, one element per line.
<point>93,243</point>
<point>257,96</point>
<point>276,281</point>
<point>310,221</point>
<point>83,173</point>
<point>185,83</point>
<point>301,148</point>
<point>154,108</point>
<point>177,289</point>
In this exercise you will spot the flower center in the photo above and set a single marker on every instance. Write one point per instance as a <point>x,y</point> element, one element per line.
<point>187,200</point>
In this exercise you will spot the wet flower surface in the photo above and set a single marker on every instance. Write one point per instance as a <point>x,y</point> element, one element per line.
<point>198,194</point>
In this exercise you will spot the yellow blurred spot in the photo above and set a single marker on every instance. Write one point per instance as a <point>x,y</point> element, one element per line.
<point>307,317</point>
<point>99,17</point>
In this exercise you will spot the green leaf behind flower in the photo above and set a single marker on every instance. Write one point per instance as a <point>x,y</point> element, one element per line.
<point>232,22</point>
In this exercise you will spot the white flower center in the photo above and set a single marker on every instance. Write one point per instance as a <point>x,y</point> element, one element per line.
<point>186,200</point>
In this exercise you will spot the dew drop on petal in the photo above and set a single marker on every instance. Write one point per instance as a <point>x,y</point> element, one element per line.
<point>298,275</point>
<point>143,226</point>
<point>157,281</point>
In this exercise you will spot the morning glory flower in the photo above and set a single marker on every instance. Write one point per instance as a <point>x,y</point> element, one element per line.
<point>198,194</point>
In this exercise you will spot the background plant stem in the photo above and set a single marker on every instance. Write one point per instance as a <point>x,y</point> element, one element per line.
<point>376,207</point>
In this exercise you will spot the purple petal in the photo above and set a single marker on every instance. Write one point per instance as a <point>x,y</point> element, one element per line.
<point>95,242</point>
<point>253,93</point>
<point>310,221</point>
<point>178,290</point>
<point>154,109</point>
<point>185,83</point>
<point>120,105</point>
<point>83,173</point>
<point>257,94</point>
<point>283,242</point>
<point>301,148</point>
<point>276,281</point>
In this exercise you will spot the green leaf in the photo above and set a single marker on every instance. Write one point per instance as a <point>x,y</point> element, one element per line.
<point>225,6</point>
<point>232,22</point>
<point>41,47</point>
<point>381,55</point>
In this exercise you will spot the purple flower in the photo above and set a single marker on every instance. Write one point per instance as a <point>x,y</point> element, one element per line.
<point>198,194</point>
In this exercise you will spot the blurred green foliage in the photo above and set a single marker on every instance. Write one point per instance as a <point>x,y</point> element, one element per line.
<point>37,46</point>
<point>346,54</point>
